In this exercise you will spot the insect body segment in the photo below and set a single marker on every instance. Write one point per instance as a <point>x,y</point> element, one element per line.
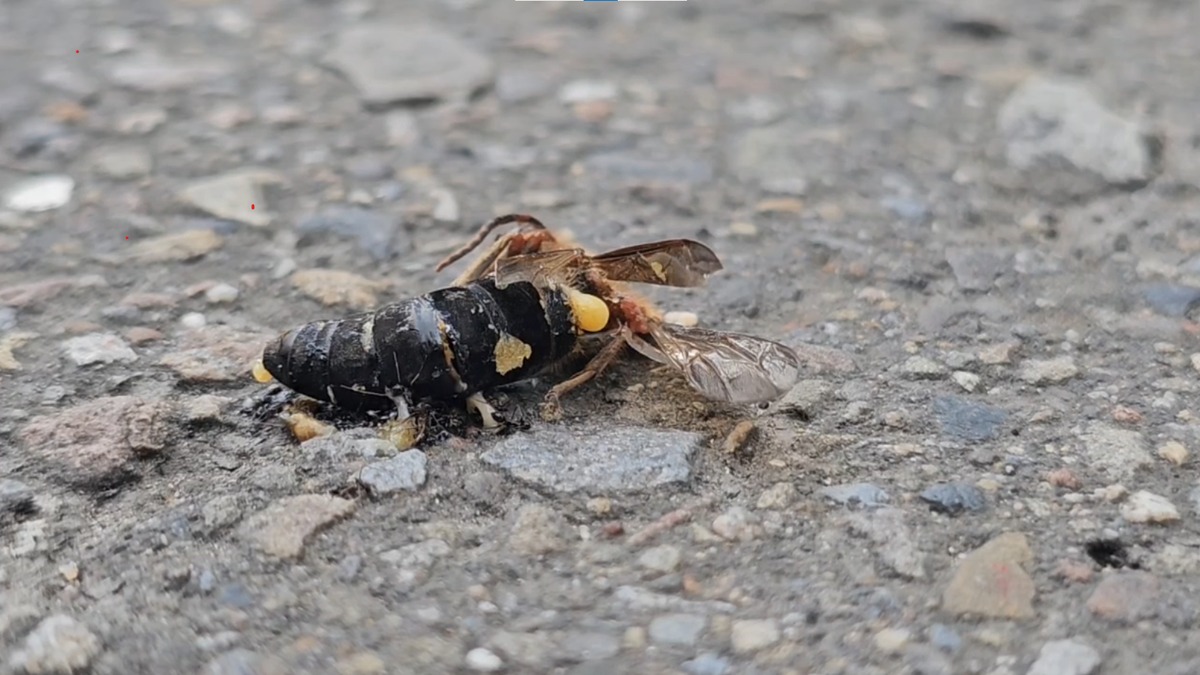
<point>450,343</point>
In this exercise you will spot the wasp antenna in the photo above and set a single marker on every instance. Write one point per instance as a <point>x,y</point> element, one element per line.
<point>487,228</point>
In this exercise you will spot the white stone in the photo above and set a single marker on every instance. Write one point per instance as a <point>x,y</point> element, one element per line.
<point>40,193</point>
<point>483,660</point>
<point>1147,507</point>
<point>221,293</point>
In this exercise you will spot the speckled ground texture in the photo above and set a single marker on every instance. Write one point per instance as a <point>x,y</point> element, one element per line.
<point>978,227</point>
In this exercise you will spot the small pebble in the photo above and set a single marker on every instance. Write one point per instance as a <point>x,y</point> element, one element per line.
<point>221,293</point>
<point>778,496</point>
<point>1066,657</point>
<point>736,524</point>
<point>1174,452</point>
<point>192,320</point>
<point>954,497</point>
<point>1147,507</point>
<point>752,635</point>
<point>661,558</point>
<point>892,640</point>
<point>968,381</point>
<point>483,660</point>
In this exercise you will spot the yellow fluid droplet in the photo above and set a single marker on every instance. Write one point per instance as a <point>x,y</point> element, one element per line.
<point>260,372</point>
<point>591,314</point>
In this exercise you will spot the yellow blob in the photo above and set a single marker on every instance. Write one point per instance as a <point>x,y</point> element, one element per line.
<point>304,426</point>
<point>261,374</point>
<point>510,353</point>
<point>591,314</point>
<point>405,433</point>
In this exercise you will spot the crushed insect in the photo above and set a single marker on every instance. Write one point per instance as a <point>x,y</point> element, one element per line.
<point>519,310</point>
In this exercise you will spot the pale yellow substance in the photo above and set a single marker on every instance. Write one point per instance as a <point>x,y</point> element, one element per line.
<point>261,374</point>
<point>510,353</point>
<point>591,314</point>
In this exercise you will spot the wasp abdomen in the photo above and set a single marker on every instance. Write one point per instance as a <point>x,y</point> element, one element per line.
<point>449,343</point>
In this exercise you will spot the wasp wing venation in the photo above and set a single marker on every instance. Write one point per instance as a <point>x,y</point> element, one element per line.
<point>672,262</point>
<point>537,268</point>
<point>729,367</point>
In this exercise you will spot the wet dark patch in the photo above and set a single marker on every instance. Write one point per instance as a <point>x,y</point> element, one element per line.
<point>1110,553</point>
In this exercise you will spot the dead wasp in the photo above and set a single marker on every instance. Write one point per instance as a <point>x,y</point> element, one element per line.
<point>518,309</point>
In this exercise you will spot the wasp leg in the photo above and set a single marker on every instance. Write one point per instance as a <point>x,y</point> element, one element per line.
<point>484,263</point>
<point>527,223</point>
<point>486,412</point>
<point>551,408</point>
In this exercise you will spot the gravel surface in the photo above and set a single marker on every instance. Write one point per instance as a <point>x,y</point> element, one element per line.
<point>977,226</point>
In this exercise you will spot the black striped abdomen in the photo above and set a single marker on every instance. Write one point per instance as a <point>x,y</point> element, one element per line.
<point>485,337</point>
<point>449,343</point>
<point>330,361</point>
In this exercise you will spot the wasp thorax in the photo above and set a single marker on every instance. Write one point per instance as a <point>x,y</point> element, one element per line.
<point>591,314</point>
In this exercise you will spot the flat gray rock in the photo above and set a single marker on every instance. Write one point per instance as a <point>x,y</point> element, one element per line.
<point>1056,124</point>
<point>404,472</point>
<point>597,459</point>
<point>397,64</point>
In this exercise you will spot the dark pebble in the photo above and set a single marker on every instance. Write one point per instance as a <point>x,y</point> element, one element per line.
<point>954,497</point>
<point>967,420</point>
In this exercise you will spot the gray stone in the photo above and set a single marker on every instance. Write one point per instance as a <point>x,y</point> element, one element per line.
<point>16,498</point>
<point>404,63</point>
<point>538,530</point>
<point>122,162</point>
<point>866,494</point>
<point>908,208</point>
<point>59,644</point>
<point>576,646</point>
<point>105,348</point>
<point>154,73</point>
<point>954,497</point>
<point>677,629</point>
<point>420,554</point>
<point>40,193</point>
<point>1117,452</point>
<point>975,270</point>
<point>282,528</point>
<point>772,158</point>
<point>597,459</point>
<point>404,472</point>
<point>922,368</point>
<point>380,236</point>
<point>636,167</point>
<point>1051,123</point>
<point>221,512</point>
<point>664,558</point>
<point>1049,371</point>
<point>230,195</point>
<point>1171,299</point>
<point>893,540</point>
<point>707,663</point>
<point>966,420</point>
<point>945,638</point>
<point>1066,657</point>
<point>245,662</point>
<point>751,635</point>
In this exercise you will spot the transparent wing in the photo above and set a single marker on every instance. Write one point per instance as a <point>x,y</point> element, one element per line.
<point>672,262</point>
<point>536,268</point>
<point>729,367</point>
